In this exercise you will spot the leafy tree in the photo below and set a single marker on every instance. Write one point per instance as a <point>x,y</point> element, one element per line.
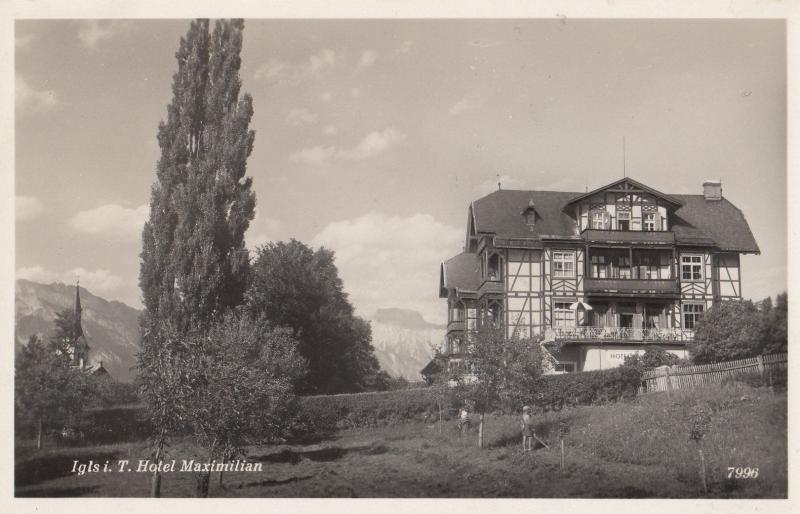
<point>775,324</point>
<point>651,358</point>
<point>193,261</point>
<point>67,333</point>
<point>728,331</point>
<point>47,389</point>
<point>241,375</point>
<point>297,287</point>
<point>500,371</point>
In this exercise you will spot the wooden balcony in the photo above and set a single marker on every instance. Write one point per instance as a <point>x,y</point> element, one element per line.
<point>632,287</point>
<point>456,326</point>
<point>619,334</point>
<point>626,237</point>
<point>491,287</point>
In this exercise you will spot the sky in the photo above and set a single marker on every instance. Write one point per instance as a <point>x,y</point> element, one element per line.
<point>373,136</point>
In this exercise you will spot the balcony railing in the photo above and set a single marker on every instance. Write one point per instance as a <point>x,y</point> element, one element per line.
<point>456,326</point>
<point>491,286</point>
<point>628,285</point>
<point>621,334</point>
<point>592,235</point>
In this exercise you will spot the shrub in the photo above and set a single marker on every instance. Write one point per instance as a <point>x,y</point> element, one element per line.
<point>586,388</point>
<point>116,424</point>
<point>369,409</point>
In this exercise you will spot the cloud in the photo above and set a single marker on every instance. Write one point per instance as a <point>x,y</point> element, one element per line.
<point>326,96</point>
<point>302,116</point>
<point>355,92</point>
<point>459,107</point>
<point>376,253</point>
<point>280,72</point>
<point>371,145</point>
<point>99,281</point>
<point>28,207</point>
<point>405,47</point>
<point>262,230</point>
<point>315,156</point>
<point>91,32</point>
<point>111,220</point>
<point>29,100</point>
<point>367,59</point>
<point>330,130</point>
<point>374,143</point>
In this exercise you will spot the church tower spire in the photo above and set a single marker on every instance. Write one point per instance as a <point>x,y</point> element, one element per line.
<point>78,309</point>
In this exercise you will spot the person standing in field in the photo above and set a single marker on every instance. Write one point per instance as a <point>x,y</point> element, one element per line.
<point>527,431</point>
<point>463,420</point>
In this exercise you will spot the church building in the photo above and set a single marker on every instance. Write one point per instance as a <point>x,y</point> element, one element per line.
<point>604,273</point>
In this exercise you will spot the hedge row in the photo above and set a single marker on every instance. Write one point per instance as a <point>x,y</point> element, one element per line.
<point>370,409</point>
<point>585,388</point>
<point>320,416</point>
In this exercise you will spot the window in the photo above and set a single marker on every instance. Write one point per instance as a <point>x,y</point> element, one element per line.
<point>599,266</point>
<point>691,267</point>
<point>623,220</point>
<point>563,264</point>
<point>564,367</point>
<point>563,316</point>
<point>692,312</point>
<point>495,268</point>
<point>650,222</point>
<point>599,220</point>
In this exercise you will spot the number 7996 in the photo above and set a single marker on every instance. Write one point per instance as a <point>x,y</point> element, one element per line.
<point>748,472</point>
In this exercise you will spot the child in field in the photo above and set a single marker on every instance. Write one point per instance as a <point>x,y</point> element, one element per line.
<point>463,420</point>
<point>527,432</point>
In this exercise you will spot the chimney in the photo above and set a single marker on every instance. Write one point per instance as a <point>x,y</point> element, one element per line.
<point>712,190</point>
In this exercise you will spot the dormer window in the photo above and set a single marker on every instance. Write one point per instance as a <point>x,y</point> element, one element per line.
<point>530,214</point>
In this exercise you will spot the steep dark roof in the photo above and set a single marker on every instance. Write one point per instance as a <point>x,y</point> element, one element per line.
<point>501,213</point>
<point>720,221</point>
<point>461,272</point>
<point>696,221</point>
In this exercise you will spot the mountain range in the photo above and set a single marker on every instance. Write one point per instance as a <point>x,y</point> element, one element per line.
<point>111,328</point>
<point>402,339</point>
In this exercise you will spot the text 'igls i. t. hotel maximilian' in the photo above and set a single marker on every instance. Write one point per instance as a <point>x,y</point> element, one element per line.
<point>605,273</point>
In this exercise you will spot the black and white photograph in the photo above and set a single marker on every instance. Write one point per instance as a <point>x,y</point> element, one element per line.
<point>528,257</point>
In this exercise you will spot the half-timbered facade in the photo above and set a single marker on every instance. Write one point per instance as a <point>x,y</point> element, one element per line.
<point>607,273</point>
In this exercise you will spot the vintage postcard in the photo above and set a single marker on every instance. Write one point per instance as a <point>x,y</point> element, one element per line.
<point>445,257</point>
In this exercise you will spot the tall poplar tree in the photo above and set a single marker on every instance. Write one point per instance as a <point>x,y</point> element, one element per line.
<point>193,261</point>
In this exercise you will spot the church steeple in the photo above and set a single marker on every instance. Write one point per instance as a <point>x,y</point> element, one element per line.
<point>78,310</point>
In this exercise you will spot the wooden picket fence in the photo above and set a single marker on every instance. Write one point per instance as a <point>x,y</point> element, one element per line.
<point>667,378</point>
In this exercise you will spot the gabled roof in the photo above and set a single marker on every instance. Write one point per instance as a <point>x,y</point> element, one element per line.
<point>695,220</point>
<point>501,213</point>
<point>461,273</point>
<point>718,220</point>
<point>638,185</point>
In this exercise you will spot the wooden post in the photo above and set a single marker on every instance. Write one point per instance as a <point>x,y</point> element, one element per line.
<point>480,432</point>
<point>760,360</point>
<point>703,470</point>
<point>669,380</point>
<point>562,455</point>
<point>40,430</point>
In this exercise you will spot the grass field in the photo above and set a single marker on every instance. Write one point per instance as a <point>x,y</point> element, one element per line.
<point>635,449</point>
